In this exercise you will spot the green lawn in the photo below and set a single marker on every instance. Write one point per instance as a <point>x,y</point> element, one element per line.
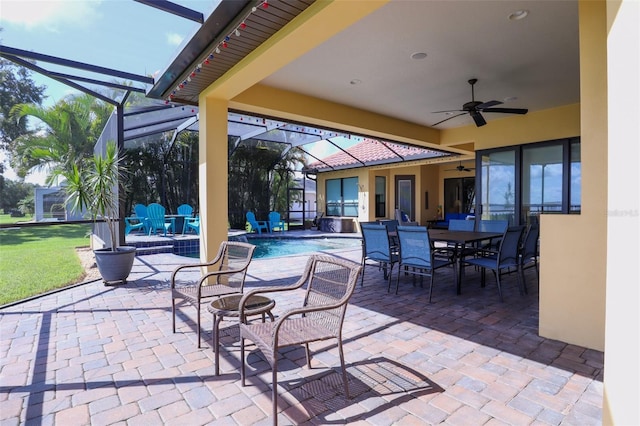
<point>5,218</point>
<point>38,259</point>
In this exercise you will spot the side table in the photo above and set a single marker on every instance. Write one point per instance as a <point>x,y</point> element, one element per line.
<point>228,306</point>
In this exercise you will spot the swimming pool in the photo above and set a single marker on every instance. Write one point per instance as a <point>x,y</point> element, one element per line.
<point>275,247</point>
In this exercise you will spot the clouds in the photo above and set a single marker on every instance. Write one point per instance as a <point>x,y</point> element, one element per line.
<point>174,39</point>
<point>49,15</point>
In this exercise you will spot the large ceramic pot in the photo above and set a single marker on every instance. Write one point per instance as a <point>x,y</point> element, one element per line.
<point>115,266</point>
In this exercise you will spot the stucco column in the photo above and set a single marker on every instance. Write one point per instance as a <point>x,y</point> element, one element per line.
<point>213,175</point>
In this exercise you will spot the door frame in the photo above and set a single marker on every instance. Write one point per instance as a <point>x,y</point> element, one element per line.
<point>396,203</point>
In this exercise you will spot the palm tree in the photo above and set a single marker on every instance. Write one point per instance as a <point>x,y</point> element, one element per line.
<point>68,132</point>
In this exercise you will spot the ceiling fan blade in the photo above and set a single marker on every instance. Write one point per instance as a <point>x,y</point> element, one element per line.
<point>448,118</point>
<point>488,104</point>
<point>507,110</point>
<point>449,110</point>
<point>478,118</point>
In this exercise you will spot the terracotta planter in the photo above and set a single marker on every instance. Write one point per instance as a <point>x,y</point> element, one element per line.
<point>115,266</point>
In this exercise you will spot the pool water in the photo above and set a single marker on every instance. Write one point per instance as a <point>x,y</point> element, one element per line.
<point>274,247</point>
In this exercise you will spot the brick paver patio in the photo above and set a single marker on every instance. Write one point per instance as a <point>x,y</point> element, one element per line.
<point>106,355</point>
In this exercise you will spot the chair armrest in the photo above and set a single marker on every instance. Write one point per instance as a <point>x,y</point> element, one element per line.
<point>192,265</point>
<point>261,290</point>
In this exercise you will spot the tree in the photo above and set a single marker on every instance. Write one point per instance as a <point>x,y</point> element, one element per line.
<point>12,192</point>
<point>68,133</point>
<point>16,87</point>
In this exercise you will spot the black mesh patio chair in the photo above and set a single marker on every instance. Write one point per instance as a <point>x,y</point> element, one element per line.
<point>507,256</point>
<point>417,256</point>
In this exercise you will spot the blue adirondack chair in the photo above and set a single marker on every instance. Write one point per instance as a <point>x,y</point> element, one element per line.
<point>191,223</point>
<point>256,225</point>
<point>158,221</point>
<point>138,221</point>
<point>186,211</point>
<point>275,221</point>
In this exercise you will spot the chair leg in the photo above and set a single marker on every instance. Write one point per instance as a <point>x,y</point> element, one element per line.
<point>198,309</point>
<point>274,391</point>
<point>173,313</point>
<point>344,369</point>
<point>242,372</point>
<point>308,355</point>
<point>497,274</point>
<point>431,285</point>
<point>362,273</point>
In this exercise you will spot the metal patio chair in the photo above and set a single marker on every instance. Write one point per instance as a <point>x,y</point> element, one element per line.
<point>330,282</point>
<point>227,274</point>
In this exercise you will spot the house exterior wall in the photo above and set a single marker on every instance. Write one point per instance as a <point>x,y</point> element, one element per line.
<point>574,248</point>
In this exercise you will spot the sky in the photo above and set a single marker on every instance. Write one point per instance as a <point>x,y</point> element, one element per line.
<point>120,34</point>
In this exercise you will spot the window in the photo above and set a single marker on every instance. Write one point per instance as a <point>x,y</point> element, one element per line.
<point>521,182</point>
<point>381,196</point>
<point>342,197</point>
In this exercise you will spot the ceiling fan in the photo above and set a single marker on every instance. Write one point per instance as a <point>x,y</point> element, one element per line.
<point>460,168</point>
<point>474,108</point>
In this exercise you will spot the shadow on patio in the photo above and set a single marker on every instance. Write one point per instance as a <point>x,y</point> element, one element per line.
<point>102,355</point>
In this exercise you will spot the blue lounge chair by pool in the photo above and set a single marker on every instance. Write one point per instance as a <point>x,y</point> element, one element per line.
<point>275,222</point>
<point>187,211</point>
<point>137,221</point>
<point>157,220</point>
<point>256,225</point>
<point>191,223</point>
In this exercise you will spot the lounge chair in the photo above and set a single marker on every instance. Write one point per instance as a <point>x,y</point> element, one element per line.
<point>191,224</point>
<point>256,225</point>
<point>137,221</point>
<point>403,219</point>
<point>275,221</point>
<point>157,220</point>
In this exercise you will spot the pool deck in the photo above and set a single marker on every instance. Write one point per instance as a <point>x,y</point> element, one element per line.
<point>105,355</point>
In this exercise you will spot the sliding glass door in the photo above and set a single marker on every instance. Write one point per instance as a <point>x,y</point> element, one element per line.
<point>498,186</point>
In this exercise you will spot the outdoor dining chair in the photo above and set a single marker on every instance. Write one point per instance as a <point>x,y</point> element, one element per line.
<point>529,252</point>
<point>377,248</point>
<point>330,282</point>
<point>507,256</point>
<point>417,256</point>
<point>226,275</point>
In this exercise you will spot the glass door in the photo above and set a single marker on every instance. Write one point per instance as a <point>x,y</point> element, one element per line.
<point>498,186</point>
<point>404,195</point>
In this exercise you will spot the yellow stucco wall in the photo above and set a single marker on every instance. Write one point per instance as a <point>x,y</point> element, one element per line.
<point>573,249</point>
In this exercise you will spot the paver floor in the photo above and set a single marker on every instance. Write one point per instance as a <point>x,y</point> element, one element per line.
<point>106,355</point>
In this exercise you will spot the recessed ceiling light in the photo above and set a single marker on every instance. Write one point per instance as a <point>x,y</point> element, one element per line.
<point>511,99</point>
<point>355,81</point>
<point>518,14</point>
<point>418,55</point>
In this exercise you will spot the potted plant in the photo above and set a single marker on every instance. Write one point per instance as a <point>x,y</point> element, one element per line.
<point>92,188</point>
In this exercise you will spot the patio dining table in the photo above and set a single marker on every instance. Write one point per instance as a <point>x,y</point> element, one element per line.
<point>460,239</point>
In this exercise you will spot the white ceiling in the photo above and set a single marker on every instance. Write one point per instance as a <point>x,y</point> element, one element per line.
<point>534,59</point>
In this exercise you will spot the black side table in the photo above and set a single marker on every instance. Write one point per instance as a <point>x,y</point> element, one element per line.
<point>228,306</point>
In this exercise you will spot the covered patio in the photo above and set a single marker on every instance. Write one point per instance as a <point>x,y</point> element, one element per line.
<point>106,355</point>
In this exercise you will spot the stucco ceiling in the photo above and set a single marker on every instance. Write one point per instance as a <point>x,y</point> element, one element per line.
<point>534,60</point>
